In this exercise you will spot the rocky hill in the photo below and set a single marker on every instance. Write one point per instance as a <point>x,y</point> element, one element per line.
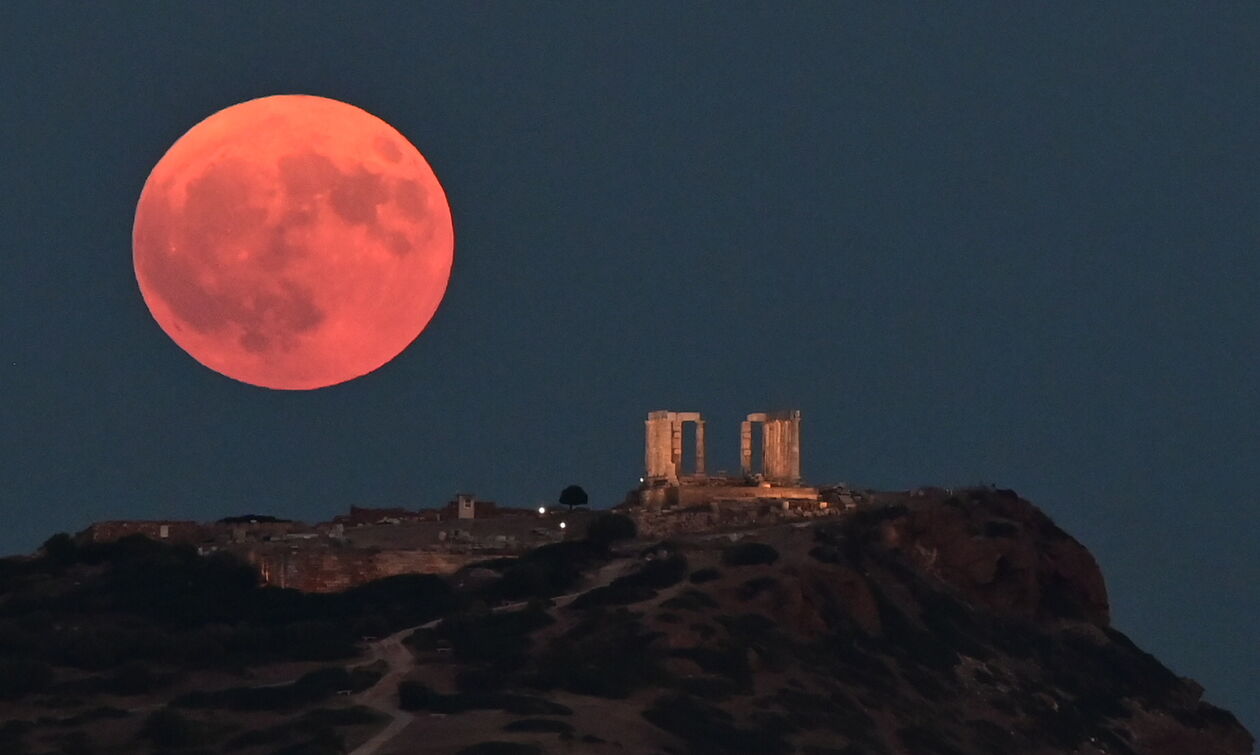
<point>927,623</point>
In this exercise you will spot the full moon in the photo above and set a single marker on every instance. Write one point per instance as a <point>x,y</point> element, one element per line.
<point>293,242</point>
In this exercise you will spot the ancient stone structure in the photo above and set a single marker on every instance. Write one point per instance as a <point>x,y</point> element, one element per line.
<point>664,452</point>
<point>780,446</point>
<point>667,483</point>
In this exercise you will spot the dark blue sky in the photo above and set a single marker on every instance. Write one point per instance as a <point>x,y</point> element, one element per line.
<point>999,244</point>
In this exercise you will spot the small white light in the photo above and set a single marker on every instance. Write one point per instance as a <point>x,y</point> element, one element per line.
<point>640,479</point>
<point>542,509</point>
<point>562,525</point>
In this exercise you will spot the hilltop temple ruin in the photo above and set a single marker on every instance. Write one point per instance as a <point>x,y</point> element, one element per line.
<point>676,495</point>
<point>667,483</point>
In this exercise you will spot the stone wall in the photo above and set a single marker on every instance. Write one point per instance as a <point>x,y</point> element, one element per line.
<point>169,531</point>
<point>336,569</point>
<point>724,514</point>
<point>689,495</point>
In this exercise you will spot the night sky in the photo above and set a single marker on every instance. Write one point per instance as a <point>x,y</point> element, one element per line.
<point>1008,246</point>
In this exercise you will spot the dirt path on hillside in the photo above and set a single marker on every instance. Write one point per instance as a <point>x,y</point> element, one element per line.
<point>383,696</point>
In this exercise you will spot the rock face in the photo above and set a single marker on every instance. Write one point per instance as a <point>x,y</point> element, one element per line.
<point>334,570</point>
<point>1001,552</point>
<point>920,623</point>
<point>926,623</point>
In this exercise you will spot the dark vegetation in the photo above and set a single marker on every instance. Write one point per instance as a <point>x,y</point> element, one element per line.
<point>749,554</point>
<point>608,528</point>
<point>136,602</point>
<point>415,696</point>
<point>700,576</point>
<point>312,733</point>
<point>709,729</point>
<point>606,654</point>
<point>690,600</point>
<point>500,639</point>
<point>545,572</point>
<point>166,728</point>
<point>502,748</point>
<point>817,651</point>
<point>653,575</point>
<point>573,496</point>
<point>540,724</point>
<point>756,586</point>
<point>311,688</point>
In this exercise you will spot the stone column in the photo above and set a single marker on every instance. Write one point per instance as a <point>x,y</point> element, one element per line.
<point>700,447</point>
<point>675,449</point>
<point>796,448</point>
<point>659,430</point>
<point>769,447</point>
<point>745,448</point>
<point>651,454</point>
<point>783,442</point>
<point>776,450</point>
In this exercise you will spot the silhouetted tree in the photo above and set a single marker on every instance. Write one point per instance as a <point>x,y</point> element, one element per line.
<point>573,496</point>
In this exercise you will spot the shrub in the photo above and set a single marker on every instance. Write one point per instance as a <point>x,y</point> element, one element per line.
<point>608,528</point>
<point>20,677</point>
<point>259,737</point>
<point>690,600</point>
<point>500,638</point>
<point>621,595</point>
<point>549,570</point>
<point>310,688</point>
<point>540,724</point>
<point>354,716</point>
<point>365,677</point>
<point>169,728</point>
<point>60,549</point>
<point>639,586</point>
<point>661,572</point>
<point>606,655</point>
<point>730,662</point>
<point>749,554</point>
<point>526,580</point>
<point>755,586</point>
<point>326,743</point>
<point>321,683</point>
<point>707,687</point>
<point>707,729</point>
<point>501,748</point>
<point>700,576</point>
<point>414,695</point>
<point>132,679</point>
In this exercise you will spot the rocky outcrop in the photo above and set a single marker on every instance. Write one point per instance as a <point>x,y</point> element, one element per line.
<point>1000,551</point>
<point>337,569</point>
<point>936,622</point>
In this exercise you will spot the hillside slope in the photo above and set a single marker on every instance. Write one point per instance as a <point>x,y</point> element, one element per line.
<point>931,623</point>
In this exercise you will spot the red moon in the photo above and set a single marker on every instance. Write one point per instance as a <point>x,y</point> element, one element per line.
<point>293,242</point>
